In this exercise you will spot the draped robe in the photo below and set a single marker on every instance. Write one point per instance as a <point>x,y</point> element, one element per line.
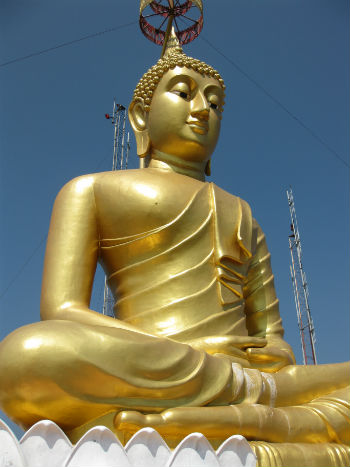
<point>185,260</point>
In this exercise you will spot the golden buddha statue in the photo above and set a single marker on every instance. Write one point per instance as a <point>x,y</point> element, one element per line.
<point>197,340</point>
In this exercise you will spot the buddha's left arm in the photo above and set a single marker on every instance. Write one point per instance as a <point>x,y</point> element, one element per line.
<point>262,311</point>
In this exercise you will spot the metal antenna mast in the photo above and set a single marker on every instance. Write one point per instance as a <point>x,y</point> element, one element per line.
<point>120,162</point>
<point>300,288</point>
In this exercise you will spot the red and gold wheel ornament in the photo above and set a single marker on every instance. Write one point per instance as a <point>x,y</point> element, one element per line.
<point>158,17</point>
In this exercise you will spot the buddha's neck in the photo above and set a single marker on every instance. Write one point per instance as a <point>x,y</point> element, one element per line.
<point>162,161</point>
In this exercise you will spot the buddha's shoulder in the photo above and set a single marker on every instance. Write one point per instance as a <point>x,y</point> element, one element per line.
<point>119,183</point>
<point>120,175</point>
<point>149,175</point>
<point>125,182</point>
<point>159,181</point>
<point>88,182</point>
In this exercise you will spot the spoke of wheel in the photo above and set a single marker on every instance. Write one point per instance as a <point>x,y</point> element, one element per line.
<point>190,18</point>
<point>184,21</point>
<point>163,22</point>
<point>148,16</point>
<point>180,17</point>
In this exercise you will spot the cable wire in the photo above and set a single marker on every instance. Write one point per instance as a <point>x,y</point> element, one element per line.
<point>277,102</point>
<point>65,44</point>
<point>20,270</point>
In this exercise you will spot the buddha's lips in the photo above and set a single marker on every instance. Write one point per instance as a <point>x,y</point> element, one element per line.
<point>199,126</point>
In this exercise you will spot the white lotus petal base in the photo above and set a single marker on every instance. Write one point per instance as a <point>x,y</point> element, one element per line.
<point>45,444</point>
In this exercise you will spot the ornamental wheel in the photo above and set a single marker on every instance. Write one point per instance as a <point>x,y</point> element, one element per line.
<point>157,18</point>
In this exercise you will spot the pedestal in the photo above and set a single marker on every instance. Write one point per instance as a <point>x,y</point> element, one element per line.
<point>45,444</point>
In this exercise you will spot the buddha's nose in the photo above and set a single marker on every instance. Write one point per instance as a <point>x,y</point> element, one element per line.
<point>200,107</point>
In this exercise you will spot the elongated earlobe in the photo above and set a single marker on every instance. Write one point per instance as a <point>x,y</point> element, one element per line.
<point>138,118</point>
<point>207,170</point>
<point>143,144</point>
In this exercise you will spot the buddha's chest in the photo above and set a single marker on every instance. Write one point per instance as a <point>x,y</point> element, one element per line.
<point>141,207</point>
<point>133,205</point>
<point>142,216</point>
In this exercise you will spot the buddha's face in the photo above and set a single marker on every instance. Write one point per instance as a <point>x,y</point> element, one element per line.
<point>185,114</point>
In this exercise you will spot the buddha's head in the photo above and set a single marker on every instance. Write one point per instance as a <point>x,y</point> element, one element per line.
<point>176,109</point>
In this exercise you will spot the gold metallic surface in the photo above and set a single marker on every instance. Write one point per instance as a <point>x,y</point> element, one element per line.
<point>197,343</point>
<point>173,56</point>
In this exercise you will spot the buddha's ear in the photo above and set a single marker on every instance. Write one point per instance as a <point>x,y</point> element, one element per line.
<point>138,118</point>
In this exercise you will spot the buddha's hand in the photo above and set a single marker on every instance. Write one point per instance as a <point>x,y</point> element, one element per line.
<point>275,355</point>
<point>232,347</point>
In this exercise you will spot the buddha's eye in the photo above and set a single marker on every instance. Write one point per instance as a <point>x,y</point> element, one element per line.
<point>182,94</point>
<point>182,89</point>
<point>214,99</point>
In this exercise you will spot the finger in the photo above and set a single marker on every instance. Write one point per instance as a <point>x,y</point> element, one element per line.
<point>255,342</point>
<point>268,367</point>
<point>244,342</point>
<point>269,363</point>
<point>266,355</point>
<point>233,352</point>
<point>225,346</point>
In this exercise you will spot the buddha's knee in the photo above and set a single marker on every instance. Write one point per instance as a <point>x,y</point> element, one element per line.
<point>26,352</point>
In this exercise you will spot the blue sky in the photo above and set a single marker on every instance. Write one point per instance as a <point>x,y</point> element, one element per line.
<point>52,128</point>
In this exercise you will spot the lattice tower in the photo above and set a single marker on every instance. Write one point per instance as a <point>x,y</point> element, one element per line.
<point>300,289</point>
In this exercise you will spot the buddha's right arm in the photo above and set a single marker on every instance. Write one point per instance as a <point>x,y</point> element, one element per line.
<point>262,311</point>
<point>71,258</point>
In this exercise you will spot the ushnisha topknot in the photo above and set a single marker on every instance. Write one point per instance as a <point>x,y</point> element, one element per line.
<point>174,56</point>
